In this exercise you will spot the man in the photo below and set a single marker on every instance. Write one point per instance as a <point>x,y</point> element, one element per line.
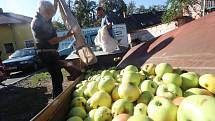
<point>46,40</point>
<point>106,20</point>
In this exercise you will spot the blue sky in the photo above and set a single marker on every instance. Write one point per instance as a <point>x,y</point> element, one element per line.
<point>28,7</point>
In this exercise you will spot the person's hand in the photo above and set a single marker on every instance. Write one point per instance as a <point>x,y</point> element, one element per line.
<point>70,33</point>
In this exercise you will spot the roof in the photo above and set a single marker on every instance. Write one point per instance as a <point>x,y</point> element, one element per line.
<point>189,47</point>
<point>140,21</point>
<point>12,18</point>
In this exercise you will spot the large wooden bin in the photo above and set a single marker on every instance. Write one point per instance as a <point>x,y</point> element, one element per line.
<point>57,110</point>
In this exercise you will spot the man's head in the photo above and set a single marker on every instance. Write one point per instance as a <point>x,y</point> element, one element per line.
<point>100,12</point>
<point>46,9</point>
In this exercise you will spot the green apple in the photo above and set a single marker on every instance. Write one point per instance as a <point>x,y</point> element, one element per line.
<point>78,102</point>
<point>115,73</point>
<point>100,98</point>
<point>115,94</point>
<point>119,78</point>
<point>158,80</point>
<point>172,78</point>
<point>148,85</point>
<point>162,109</point>
<point>197,108</point>
<point>197,91</point>
<point>122,106</point>
<point>145,97</point>
<point>88,119</point>
<point>129,91</point>
<point>208,81</point>
<point>106,84</point>
<point>78,111</point>
<point>91,113</point>
<point>103,114</point>
<point>189,80</point>
<point>139,118</point>
<point>106,73</point>
<point>92,87</point>
<point>169,91</point>
<point>140,109</point>
<point>74,118</point>
<point>131,68</point>
<point>163,68</point>
<point>142,75</point>
<point>131,77</point>
<point>149,68</point>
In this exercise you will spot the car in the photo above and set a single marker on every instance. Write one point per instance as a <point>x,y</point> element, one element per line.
<point>23,60</point>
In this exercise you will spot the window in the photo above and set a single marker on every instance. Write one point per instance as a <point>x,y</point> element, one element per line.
<point>9,48</point>
<point>29,43</point>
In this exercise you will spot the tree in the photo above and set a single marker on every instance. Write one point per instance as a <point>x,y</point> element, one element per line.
<point>59,26</point>
<point>113,6</point>
<point>131,8</point>
<point>140,9</point>
<point>175,9</point>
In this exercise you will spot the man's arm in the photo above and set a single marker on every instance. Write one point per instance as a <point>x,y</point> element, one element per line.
<point>56,40</point>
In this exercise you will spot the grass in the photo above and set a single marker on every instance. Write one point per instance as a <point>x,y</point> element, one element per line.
<point>42,76</point>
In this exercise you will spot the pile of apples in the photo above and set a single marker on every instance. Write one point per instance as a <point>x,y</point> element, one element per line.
<point>151,93</point>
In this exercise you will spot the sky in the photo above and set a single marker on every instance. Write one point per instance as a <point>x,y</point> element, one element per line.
<point>29,7</point>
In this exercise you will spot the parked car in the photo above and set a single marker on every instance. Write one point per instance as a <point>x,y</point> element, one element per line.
<point>3,72</point>
<point>23,60</point>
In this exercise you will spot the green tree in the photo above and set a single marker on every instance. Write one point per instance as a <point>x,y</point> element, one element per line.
<point>59,26</point>
<point>141,9</point>
<point>175,8</point>
<point>131,8</point>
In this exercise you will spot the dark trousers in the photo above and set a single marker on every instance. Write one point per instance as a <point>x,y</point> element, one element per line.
<point>51,62</point>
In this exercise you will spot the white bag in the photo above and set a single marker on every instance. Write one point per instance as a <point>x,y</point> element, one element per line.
<point>105,41</point>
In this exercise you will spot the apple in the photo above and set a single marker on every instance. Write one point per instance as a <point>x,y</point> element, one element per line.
<point>122,106</point>
<point>197,91</point>
<point>129,91</point>
<point>148,85</point>
<point>140,109</point>
<point>172,78</point>
<point>158,80</point>
<point>115,94</point>
<point>100,98</point>
<point>119,78</point>
<point>88,119</point>
<point>78,93</point>
<point>77,111</point>
<point>189,80</point>
<point>121,117</point>
<point>197,108</point>
<point>78,102</point>
<point>74,118</point>
<point>169,91</point>
<point>131,68</point>
<point>163,68</point>
<point>177,101</point>
<point>106,84</point>
<point>145,97</point>
<point>139,118</point>
<point>103,114</point>
<point>92,87</point>
<point>131,77</point>
<point>92,113</point>
<point>115,73</point>
<point>106,73</point>
<point>149,68</point>
<point>142,75</point>
<point>162,109</point>
<point>208,81</point>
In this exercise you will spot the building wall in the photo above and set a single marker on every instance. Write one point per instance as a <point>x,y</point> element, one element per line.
<point>151,32</point>
<point>6,36</point>
<point>22,33</point>
<point>15,34</point>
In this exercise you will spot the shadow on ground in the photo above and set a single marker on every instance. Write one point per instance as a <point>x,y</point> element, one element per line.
<point>21,104</point>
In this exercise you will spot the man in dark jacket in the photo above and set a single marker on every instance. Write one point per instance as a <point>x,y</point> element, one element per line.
<point>47,41</point>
